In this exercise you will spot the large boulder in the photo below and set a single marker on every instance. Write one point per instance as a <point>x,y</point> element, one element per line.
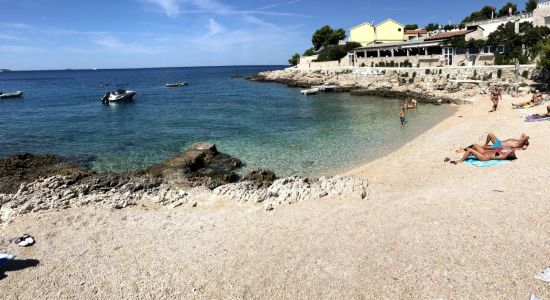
<point>201,164</point>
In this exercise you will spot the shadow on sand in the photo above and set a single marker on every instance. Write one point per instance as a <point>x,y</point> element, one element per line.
<point>17,265</point>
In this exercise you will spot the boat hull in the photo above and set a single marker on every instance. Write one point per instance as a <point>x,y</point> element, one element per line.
<point>17,94</point>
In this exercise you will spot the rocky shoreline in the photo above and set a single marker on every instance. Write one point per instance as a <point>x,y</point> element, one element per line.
<point>199,176</point>
<point>433,88</point>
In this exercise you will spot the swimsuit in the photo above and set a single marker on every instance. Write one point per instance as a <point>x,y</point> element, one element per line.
<point>497,144</point>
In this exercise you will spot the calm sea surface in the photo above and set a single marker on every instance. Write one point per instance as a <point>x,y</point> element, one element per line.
<point>264,124</point>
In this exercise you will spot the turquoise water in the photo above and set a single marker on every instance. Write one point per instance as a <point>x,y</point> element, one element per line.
<point>264,124</point>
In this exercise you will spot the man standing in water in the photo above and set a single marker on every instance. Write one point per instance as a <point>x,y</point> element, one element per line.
<point>496,96</point>
<point>402,116</point>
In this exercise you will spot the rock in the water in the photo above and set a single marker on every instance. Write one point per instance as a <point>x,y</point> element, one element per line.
<point>201,164</point>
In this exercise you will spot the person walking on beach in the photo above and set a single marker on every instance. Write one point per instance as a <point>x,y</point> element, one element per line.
<point>496,96</point>
<point>402,116</point>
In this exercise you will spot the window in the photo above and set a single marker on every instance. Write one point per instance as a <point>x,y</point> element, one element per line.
<point>546,20</point>
<point>487,49</point>
<point>501,49</point>
<point>399,29</point>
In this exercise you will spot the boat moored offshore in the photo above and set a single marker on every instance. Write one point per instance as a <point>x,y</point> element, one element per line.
<point>118,96</point>
<point>17,94</point>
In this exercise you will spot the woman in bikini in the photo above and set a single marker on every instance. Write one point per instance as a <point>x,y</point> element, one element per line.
<point>495,97</point>
<point>485,156</point>
<point>534,101</point>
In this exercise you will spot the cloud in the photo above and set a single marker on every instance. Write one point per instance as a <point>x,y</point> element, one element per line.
<point>19,49</point>
<point>214,27</point>
<point>114,44</point>
<point>170,7</point>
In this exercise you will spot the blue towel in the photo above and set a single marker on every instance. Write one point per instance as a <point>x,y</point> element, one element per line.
<point>485,164</point>
<point>5,258</point>
<point>530,119</point>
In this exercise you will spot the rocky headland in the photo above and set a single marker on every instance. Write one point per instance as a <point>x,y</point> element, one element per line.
<point>425,86</point>
<point>199,176</point>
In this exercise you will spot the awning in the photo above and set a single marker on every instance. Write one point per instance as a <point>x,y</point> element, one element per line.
<point>420,45</point>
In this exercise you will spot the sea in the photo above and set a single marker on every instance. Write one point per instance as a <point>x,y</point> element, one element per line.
<point>266,125</point>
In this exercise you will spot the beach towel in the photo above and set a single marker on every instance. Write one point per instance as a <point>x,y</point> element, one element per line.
<point>532,119</point>
<point>525,106</point>
<point>5,258</point>
<point>472,161</point>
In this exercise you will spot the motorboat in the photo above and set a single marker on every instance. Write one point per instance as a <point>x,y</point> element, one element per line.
<point>312,91</point>
<point>11,95</point>
<point>177,84</point>
<point>118,96</point>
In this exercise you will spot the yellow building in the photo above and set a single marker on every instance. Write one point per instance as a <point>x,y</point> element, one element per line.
<point>363,34</point>
<point>388,31</point>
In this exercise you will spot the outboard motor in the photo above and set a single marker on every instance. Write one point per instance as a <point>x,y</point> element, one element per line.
<point>105,98</point>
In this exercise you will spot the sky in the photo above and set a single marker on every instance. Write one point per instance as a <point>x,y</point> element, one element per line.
<point>81,34</point>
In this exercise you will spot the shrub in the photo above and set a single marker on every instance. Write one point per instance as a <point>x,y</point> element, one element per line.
<point>499,73</point>
<point>372,64</point>
<point>362,65</point>
<point>294,60</point>
<point>411,81</point>
<point>448,75</point>
<point>414,75</point>
<point>405,75</point>
<point>427,71</point>
<point>525,74</point>
<point>336,52</point>
<point>440,71</point>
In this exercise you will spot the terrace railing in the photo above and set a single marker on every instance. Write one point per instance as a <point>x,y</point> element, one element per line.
<point>503,19</point>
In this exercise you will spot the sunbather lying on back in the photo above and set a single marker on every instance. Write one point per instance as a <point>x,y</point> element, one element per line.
<point>537,98</point>
<point>487,155</point>
<point>493,143</point>
<point>542,116</point>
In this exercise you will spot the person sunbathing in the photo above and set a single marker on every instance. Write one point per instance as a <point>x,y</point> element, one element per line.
<point>542,116</point>
<point>537,98</point>
<point>493,143</point>
<point>486,156</point>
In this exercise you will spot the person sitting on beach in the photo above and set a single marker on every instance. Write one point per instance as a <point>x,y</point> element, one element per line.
<point>496,96</point>
<point>493,143</point>
<point>537,97</point>
<point>486,156</point>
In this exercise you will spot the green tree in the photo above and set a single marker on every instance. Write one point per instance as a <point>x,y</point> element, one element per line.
<point>485,13</point>
<point>544,60</point>
<point>326,36</point>
<point>449,27</point>
<point>337,52</point>
<point>294,60</point>
<point>411,26</point>
<point>531,5</point>
<point>504,11</point>
<point>310,52</point>
<point>432,27</point>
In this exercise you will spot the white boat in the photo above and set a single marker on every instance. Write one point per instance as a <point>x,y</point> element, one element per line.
<point>11,95</point>
<point>118,96</point>
<point>310,91</point>
<point>177,84</point>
